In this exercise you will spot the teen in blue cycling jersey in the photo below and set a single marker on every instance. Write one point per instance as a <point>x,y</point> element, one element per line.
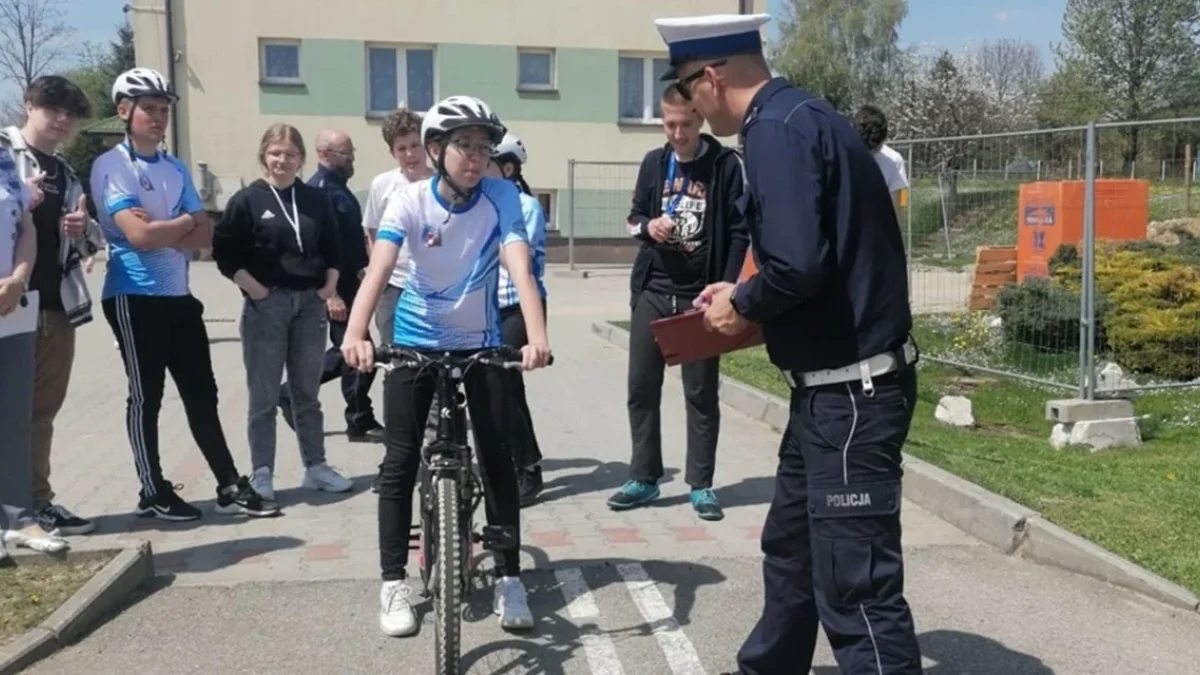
<point>152,218</point>
<point>460,227</point>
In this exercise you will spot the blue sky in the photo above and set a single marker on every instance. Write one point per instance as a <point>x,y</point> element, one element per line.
<point>948,23</point>
<point>955,23</point>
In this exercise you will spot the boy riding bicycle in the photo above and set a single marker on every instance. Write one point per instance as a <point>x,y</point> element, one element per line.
<point>460,227</point>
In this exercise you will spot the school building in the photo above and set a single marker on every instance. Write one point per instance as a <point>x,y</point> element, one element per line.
<point>576,80</point>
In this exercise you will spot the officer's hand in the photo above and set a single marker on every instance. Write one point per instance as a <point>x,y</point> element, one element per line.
<point>721,316</point>
<point>703,300</point>
<point>660,228</point>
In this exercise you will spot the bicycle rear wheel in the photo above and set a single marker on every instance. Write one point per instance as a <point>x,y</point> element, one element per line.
<point>447,594</point>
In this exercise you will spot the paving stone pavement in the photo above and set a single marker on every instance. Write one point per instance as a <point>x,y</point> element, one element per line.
<point>579,411</point>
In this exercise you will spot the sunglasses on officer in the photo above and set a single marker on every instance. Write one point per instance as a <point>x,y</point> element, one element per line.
<point>684,85</point>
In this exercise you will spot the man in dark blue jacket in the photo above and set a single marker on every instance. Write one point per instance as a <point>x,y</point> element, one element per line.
<point>831,296</point>
<point>335,156</point>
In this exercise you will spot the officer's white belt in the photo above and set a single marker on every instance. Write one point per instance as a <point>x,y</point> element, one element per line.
<point>864,371</point>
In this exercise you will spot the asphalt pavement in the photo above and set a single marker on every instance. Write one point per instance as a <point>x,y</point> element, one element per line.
<point>628,617</point>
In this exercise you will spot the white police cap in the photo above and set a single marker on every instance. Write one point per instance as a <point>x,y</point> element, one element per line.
<point>695,38</point>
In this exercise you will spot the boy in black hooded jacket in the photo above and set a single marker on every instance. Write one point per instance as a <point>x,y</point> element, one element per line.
<point>685,213</point>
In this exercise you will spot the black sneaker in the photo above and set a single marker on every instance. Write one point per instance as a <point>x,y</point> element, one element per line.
<point>529,485</point>
<point>371,433</point>
<point>167,505</point>
<point>241,499</point>
<point>55,517</point>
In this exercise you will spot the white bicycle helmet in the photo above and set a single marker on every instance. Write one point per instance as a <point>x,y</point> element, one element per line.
<point>511,145</point>
<point>139,82</point>
<point>457,112</point>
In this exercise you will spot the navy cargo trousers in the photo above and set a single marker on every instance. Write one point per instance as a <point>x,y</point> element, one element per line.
<point>832,536</point>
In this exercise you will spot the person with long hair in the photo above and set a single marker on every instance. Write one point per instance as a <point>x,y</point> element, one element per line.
<point>522,442</point>
<point>278,241</point>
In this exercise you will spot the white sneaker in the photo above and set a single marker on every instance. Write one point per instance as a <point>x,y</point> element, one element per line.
<point>396,617</point>
<point>35,538</point>
<point>263,483</point>
<point>324,477</point>
<point>511,604</point>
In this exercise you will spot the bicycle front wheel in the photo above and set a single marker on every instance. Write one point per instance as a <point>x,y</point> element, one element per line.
<point>448,636</point>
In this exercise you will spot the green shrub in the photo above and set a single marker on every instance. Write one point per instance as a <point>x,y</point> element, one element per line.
<point>1150,310</point>
<point>1041,314</point>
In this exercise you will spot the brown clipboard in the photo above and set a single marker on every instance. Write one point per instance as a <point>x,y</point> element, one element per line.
<point>683,338</point>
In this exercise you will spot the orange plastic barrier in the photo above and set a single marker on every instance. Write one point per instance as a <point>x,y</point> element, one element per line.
<point>1050,214</point>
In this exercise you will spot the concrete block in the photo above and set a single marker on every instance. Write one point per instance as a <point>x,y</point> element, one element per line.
<point>986,516</point>
<point>1068,411</point>
<point>1097,434</point>
<point>1050,544</point>
<point>742,398</point>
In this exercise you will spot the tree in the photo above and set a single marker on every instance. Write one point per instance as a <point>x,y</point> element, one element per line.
<point>1140,52</point>
<point>1013,71</point>
<point>942,99</point>
<point>95,79</point>
<point>33,38</point>
<point>843,50</point>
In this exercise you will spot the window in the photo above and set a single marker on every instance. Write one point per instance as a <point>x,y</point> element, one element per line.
<point>535,69</point>
<point>399,76</point>
<point>279,62</point>
<point>546,199</point>
<point>640,90</point>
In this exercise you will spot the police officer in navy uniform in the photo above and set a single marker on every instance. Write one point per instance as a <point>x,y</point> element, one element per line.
<point>831,296</point>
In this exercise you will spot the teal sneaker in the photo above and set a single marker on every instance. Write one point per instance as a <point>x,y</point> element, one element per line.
<point>704,501</point>
<point>633,494</point>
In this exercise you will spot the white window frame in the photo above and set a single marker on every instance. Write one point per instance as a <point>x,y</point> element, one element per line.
<point>263,43</point>
<point>552,85</point>
<point>650,92</point>
<point>552,198</point>
<point>401,51</point>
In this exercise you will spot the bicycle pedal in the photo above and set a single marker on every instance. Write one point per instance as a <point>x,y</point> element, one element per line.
<point>498,538</point>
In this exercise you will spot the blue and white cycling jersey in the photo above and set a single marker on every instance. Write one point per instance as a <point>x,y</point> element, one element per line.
<point>162,186</point>
<point>451,298</point>
<point>535,233</point>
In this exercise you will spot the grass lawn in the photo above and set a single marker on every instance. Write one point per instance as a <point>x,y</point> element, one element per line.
<point>1141,503</point>
<point>31,591</point>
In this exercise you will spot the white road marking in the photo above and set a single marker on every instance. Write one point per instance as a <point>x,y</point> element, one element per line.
<point>599,648</point>
<point>676,646</point>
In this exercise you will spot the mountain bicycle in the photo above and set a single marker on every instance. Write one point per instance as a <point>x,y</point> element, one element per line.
<point>451,489</point>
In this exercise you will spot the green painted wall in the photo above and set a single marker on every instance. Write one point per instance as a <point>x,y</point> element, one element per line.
<point>586,80</point>
<point>327,88</point>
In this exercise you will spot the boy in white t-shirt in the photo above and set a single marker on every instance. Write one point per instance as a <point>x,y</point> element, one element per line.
<point>872,126</point>
<point>402,133</point>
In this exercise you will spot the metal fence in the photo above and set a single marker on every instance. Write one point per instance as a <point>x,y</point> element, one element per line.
<point>1066,257</point>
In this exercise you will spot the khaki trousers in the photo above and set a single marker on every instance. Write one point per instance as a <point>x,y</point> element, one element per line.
<point>54,354</point>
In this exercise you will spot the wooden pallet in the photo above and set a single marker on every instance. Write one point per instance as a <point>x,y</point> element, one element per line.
<point>995,268</point>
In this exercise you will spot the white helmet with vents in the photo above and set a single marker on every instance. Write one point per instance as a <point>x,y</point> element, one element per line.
<point>512,146</point>
<point>139,82</point>
<point>457,112</point>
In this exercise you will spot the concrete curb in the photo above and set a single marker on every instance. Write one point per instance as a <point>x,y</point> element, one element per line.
<point>1002,523</point>
<point>104,593</point>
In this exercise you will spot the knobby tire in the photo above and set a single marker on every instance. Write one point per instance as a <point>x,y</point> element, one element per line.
<point>447,600</point>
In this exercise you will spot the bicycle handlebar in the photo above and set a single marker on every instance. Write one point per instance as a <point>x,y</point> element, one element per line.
<point>501,357</point>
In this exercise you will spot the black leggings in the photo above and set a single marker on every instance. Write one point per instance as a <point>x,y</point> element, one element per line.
<point>408,396</point>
